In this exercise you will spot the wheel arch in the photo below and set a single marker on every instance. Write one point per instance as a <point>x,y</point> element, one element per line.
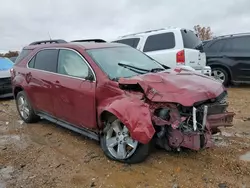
<point>134,114</point>
<point>17,89</point>
<point>225,67</point>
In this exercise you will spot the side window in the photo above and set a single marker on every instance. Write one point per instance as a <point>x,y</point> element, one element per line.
<point>133,42</point>
<point>159,42</point>
<point>238,44</point>
<point>46,60</point>
<point>72,64</point>
<point>216,46</point>
<point>22,55</point>
<point>32,62</point>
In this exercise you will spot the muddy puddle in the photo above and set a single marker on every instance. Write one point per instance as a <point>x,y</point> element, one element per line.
<point>245,157</point>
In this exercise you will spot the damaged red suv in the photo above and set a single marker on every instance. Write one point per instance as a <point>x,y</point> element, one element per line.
<point>119,96</point>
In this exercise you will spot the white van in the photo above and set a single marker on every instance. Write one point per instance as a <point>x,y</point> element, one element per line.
<point>170,46</point>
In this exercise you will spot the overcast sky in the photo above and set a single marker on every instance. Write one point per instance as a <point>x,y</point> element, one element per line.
<point>24,21</point>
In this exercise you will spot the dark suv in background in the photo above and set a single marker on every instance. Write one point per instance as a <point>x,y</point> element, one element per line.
<point>229,58</point>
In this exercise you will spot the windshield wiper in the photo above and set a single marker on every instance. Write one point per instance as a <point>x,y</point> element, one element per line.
<point>130,67</point>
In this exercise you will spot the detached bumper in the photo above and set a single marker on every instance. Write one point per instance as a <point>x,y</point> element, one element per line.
<point>205,70</point>
<point>5,87</point>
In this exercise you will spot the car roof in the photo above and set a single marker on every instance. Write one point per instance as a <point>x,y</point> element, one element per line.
<point>151,32</point>
<point>84,45</point>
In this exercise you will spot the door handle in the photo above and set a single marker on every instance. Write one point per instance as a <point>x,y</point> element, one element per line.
<point>57,84</point>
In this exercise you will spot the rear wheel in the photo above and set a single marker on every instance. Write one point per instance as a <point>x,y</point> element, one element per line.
<point>221,75</point>
<point>25,109</point>
<point>118,145</point>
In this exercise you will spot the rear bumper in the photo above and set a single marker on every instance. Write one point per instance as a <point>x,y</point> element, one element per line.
<point>205,70</point>
<point>5,87</point>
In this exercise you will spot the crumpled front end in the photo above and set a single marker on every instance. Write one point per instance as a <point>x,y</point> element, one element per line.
<point>190,127</point>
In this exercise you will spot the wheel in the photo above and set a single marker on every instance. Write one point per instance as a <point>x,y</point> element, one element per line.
<point>118,145</point>
<point>221,75</point>
<point>25,109</point>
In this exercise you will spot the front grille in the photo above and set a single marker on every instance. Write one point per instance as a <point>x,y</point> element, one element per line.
<point>5,86</point>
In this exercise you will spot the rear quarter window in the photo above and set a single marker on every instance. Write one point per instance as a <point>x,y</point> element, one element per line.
<point>161,41</point>
<point>24,53</point>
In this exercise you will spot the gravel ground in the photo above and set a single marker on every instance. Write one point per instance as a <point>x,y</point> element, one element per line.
<point>46,155</point>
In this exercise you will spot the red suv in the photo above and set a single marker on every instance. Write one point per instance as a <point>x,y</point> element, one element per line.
<point>119,96</point>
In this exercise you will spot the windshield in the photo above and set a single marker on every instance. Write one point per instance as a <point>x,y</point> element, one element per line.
<point>113,60</point>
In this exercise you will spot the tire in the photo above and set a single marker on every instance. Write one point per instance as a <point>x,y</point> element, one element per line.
<point>136,155</point>
<point>25,109</point>
<point>221,71</point>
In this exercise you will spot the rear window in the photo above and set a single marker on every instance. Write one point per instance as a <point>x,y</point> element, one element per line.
<point>160,42</point>
<point>22,55</point>
<point>133,42</point>
<point>190,39</point>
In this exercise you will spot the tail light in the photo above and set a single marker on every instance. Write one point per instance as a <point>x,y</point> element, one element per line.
<point>12,73</point>
<point>180,57</point>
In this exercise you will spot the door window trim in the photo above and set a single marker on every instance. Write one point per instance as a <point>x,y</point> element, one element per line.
<point>57,48</point>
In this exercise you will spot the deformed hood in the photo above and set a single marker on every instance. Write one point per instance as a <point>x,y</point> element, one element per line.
<point>182,87</point>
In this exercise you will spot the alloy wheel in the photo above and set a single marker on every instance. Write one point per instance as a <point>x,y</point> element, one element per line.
<point>23,107</point>
<point>119,142</point>
<point>219,75</point>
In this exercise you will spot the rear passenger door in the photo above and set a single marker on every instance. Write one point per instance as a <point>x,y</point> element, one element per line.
<point>238,50</point>
<point>41,68</point>
<point>161,47</point>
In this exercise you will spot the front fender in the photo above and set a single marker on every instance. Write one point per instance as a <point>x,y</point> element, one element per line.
<point>135,114</point>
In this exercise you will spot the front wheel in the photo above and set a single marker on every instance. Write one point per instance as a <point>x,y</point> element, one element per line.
<point>118,145</point>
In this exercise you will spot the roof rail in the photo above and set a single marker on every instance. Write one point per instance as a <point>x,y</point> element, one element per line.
<point>232,35</point>
<point>169,27</point>
<point>58,41</point>
<point>89,40</point>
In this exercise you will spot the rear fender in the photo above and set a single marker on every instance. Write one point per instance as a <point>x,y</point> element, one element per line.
<point>133,113</point>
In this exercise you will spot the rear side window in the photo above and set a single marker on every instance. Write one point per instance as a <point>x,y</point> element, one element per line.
<point>133,42</point>
<point>238,44</point>
<point>215,46</point>
<point>160,42</point>
<point>190,39</point>
<point>22,55</point>
<point>46,60</point>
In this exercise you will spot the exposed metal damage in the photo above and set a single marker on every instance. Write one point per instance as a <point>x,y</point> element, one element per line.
<point>173,126</point>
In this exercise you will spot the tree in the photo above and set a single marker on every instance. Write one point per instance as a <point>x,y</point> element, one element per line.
<point>204,33</point>
<point>10,54</point>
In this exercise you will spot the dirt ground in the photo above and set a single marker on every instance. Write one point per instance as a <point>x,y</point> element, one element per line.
<point>46,155</point>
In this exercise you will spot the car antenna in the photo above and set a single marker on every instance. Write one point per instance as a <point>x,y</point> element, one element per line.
<point>49,36</point>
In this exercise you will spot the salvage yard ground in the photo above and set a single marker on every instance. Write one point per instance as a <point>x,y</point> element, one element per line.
<point>46,155</point>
